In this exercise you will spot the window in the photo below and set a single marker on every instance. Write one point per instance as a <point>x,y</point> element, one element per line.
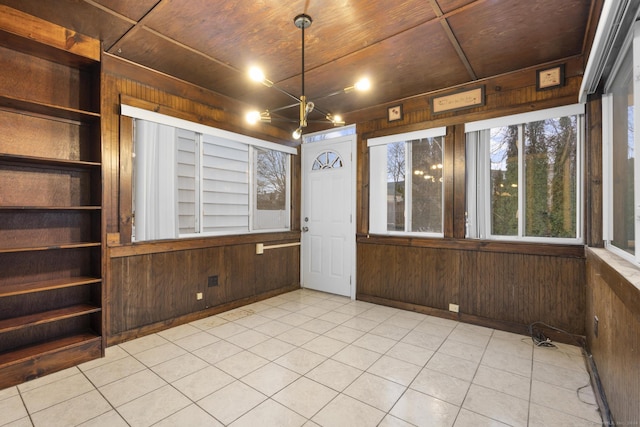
<point>619,144</point>
<point>523,176</point>
<point>271,169</point>
<point>192,180</point>
<point>327,160</point>
<point>406,183</point>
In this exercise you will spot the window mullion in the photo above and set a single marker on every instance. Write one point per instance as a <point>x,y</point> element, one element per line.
<point>408,182</point>
<point>636,137</point>
<point>199,162</point>
<point>580,164</point>
<point>521,182</point>
<point>253,184</point>
<point>485,183</point>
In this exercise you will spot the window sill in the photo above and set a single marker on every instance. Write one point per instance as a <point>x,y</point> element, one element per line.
<point>525,248</point>
<point>619,274</point>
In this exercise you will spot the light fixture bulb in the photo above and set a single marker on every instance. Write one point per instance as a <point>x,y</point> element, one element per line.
<point>297,133</point>
<point>309,107</point>
<point>253,117</point>
<point>257,75</point>
<point>336,120</point>
<point>362,84</point>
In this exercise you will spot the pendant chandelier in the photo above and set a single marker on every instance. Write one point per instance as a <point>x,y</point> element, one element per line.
<point>302,21</point>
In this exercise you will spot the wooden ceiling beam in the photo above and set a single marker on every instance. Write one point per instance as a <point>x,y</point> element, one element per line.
<point>452,38</point>
<point>136,25</point>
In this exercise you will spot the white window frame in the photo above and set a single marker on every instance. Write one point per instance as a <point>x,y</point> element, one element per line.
<point>378,181</point>
<point>631,42</point>
<point>478,174</point>
<point>253,208</point>
<point>200,129</point>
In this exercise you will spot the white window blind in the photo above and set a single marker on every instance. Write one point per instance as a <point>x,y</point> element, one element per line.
<point>188,176</point>
<point>155,189</point>
<point>191,179</point>
<point>225,186</point>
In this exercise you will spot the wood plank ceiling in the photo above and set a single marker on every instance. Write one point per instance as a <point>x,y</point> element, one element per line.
<point>406,48</point>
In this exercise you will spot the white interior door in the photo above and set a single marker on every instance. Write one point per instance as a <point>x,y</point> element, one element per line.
<point>328,231</point>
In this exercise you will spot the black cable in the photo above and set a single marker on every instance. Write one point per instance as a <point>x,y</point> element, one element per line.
<point>541,340</point>
<point>580,398</point>
<point>603,406</point>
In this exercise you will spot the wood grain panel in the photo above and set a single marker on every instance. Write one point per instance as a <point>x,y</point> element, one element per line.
<point>512,288</point>
<point>35,186</point>
<point>35,33</point>
<point>125,179</point>
<point>15,268</point>
<point>593,174</point>
<point>504,22</point>
<point>22,135</point>
<point>22,77</point>
<point>53,356</point>
<point>17,339</point>
<point>36,228</point>
<point>154,290</point>
<point>449,173</point>
<point>459,217</point>
<point>506,94</point>
<point>269,279</point>
<point>614,300</point>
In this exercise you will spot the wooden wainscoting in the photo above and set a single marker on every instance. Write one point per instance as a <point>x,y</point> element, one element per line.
<point>500,285</point>
<point>154,286</point>
<point>615,300</point>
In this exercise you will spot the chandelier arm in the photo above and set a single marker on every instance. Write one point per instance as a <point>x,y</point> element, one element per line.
<point>286,93</point>
<point>283,119</point>
<point>285,107</point>
<point>329,95</point>
<point>319,110</point>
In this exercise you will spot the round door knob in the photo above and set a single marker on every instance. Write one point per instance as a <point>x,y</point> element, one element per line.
<point>305,229</point>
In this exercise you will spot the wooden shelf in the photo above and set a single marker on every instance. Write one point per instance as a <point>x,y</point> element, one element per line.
<point>52,247</point>
<point>44,39</point>
<point>48,109</point>
<point>46,285</point>
<point>51,214</point>
<point>21,322</point>
<point>44,161</point>
<point>25,354</point>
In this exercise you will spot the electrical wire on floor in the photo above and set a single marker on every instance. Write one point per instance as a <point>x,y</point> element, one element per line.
<point>579,389</point>
<point>541,340</point>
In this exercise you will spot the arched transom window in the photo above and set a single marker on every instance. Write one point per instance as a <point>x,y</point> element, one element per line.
<point>327,160</point>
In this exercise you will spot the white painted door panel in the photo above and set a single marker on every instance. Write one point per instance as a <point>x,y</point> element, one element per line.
<point>327,238</point>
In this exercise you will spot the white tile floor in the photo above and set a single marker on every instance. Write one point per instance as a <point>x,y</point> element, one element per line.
<point>314,359</point>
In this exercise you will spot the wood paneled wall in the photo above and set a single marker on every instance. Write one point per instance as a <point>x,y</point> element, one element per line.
<point>615,300</point>
<point>153,285</point>
<point>505,287</point>
<point>156,290</point>
<point>498,284</point>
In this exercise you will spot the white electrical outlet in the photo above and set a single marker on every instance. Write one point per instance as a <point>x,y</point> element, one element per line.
<point>454,307</point>
<point>199,296</point>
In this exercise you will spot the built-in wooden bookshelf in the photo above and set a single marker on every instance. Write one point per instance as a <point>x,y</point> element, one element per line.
<point>50,198</point>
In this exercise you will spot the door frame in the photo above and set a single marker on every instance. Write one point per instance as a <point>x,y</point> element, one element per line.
<point>327,137</point>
